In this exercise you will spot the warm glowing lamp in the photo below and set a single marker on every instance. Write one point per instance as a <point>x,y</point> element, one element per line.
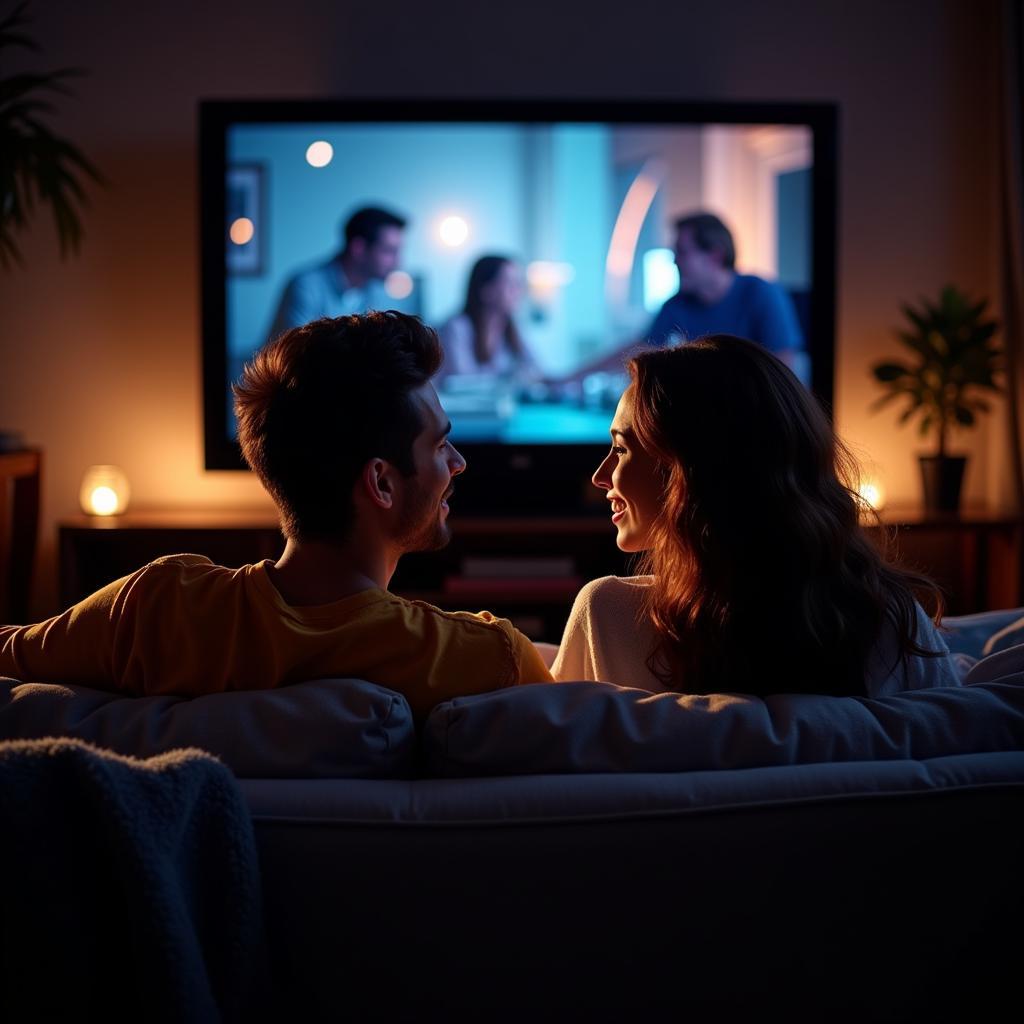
<point>104,491</point>
<point>872,493</point>
<point>319,153</point>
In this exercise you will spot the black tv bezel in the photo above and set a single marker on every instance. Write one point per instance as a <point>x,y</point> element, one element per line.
<point>522,479</point>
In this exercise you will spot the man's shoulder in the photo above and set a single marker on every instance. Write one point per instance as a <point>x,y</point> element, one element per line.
<point>752,286</point>
<point>180,567</point>
<point>459,641</point>
<point>182,559</point>
<point>482,624</point>
<point>674,303</point>
<point>313,275</point>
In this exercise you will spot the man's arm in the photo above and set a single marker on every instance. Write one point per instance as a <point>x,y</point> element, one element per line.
<point>76,647</point>
<point>660,333</point>
<point>547,651</point>
<point>777,325</point>
<point>778,329</point>
<point>529,663</point>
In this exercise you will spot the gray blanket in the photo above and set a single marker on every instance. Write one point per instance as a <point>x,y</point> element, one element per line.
<point>130,888</point>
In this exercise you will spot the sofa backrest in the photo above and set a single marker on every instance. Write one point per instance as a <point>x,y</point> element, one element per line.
<point>599,727</point>
<point>328,728</point>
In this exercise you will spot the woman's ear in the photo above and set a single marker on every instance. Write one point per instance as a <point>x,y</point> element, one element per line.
<point>378,482</point>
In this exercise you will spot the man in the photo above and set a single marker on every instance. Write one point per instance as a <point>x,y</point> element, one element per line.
<point>714,299</point>
<point>352,281</point>
<point>340,422</point>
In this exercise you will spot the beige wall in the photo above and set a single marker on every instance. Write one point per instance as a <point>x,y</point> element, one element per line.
<point>100,356</point>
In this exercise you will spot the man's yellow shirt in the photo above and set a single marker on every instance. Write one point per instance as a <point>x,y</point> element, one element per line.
<point>182,625</point>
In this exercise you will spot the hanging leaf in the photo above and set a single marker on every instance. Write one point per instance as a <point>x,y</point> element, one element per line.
<point>37,166</point>
<point>890,371</point>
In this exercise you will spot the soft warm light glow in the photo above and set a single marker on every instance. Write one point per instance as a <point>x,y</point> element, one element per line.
<point>398,284</point>
<point>104,491</point>
<point>871,493</point>
<point>319,153</point>
<point>241,231</point>
<point>453,231</point>
<point>103,501</point>
<point>544,277</point>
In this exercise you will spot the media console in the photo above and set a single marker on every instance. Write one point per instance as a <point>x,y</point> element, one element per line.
<point>527,570</point>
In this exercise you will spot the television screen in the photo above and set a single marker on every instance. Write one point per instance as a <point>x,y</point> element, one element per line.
<point>541,240</point>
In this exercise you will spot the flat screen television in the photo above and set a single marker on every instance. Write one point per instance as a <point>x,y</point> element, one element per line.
<point>580,198</point>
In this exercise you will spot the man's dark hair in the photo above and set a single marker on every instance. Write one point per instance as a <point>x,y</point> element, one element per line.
<point>709,233</point>
<point>367,223</point>
<point>316,404</point>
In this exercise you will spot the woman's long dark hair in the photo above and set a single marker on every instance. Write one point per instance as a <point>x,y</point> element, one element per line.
<point>484,272</point>
<point>765,580</point>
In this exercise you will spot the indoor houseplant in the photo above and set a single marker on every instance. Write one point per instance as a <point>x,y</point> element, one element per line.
<point>953,358</point>
<point>36,165</point>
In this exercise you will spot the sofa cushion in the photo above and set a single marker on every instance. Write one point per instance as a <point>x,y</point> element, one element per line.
<point>984,633</point>
<point>329,728</point>
<point>1011,635</point>
<point>599,727</point>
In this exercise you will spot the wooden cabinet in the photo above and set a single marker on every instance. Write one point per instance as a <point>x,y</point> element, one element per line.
<point>976,556</point>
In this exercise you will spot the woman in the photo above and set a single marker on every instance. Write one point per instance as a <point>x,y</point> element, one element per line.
<point>758,576</point>
<point>483,338</point>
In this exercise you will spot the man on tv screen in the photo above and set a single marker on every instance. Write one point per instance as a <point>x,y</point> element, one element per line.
<point>714,298</point>
<point>352,281</point>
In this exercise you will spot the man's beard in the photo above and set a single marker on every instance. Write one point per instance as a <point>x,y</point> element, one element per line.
<point>420,527</point>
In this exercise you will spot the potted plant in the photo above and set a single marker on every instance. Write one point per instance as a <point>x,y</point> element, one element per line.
<point>36,165</point>
<point>954,358</point>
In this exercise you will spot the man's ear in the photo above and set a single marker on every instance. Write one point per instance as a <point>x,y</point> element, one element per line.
<point>377,482</point>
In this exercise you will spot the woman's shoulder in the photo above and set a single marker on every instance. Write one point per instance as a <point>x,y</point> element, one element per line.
<point>613,591</point>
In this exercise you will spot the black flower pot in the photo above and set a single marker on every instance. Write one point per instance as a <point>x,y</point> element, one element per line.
<point>942,477</point>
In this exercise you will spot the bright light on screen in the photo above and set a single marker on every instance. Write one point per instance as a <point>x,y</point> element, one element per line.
<point>242,230</point>
<point>661,278</point>
<point>453,231</point>
<point>398,284</point>
<point>319,154</point>
<point>583,212</point>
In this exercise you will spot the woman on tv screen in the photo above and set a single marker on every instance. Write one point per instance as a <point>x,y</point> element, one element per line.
<point>484,337</point>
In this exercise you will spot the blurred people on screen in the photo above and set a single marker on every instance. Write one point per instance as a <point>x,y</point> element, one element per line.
<point>351,281</point>
<point>714,299</point>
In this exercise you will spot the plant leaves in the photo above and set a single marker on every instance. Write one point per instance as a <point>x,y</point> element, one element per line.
<point>886,372</point>
<point>35,163</point>
<point>8,26</point>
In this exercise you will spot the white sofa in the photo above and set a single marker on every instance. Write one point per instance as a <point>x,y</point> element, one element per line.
<point>587,852</point>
